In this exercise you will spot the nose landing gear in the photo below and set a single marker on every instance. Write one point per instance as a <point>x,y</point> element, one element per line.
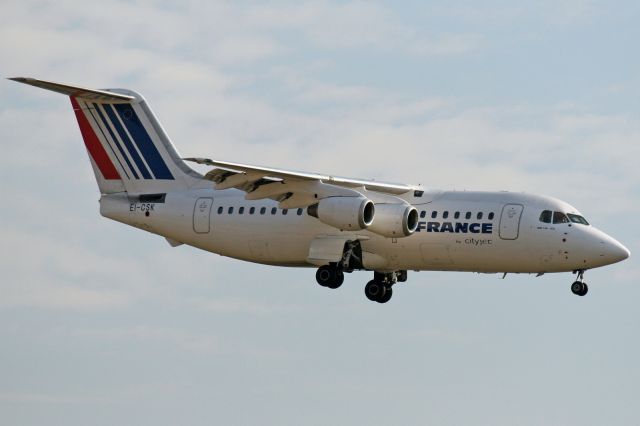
<point>579,287</point>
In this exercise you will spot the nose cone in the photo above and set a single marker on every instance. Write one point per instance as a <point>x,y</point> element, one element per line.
<point>599,249</point>
<point>614,251</point>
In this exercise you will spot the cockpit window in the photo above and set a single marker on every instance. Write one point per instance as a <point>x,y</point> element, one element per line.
<point>545,216</point>
<point>559,217</point>
<point>577,219</point>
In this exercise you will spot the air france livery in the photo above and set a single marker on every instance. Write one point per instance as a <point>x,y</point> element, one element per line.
<point>337,225</point>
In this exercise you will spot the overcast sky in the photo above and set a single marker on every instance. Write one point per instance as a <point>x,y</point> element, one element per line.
<point>103,324</point>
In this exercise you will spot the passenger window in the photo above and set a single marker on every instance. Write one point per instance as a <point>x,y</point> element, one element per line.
<point>423,214</point>
<point>241,210</point>
<point>299,212</point>
<point>274,210</point>
<point>468,215</point>
<point>230,210</point>
<point>252,210</point>
<point>220,209</point>
<point>559,217</point>
<point>263,210</point>
<point>285,211</point>
<point>456,215</point>
<point>434,215</point>
<point>545,216</point>
<point>445,215</point>
<point>479,216</point>
<point>491,216</point>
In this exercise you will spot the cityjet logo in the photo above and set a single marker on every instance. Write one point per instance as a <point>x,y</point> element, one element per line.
<point>456,228</point>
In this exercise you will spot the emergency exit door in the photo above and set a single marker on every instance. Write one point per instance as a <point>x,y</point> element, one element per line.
<point>202,215</point>
<point>510,221</point>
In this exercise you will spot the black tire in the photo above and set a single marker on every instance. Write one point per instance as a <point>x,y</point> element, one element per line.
<point>337,282</point>
<point>386,296</point>
<point>577,288</point>
<point>325,275</point>
<point>373,290</point>
<point>585,290</point>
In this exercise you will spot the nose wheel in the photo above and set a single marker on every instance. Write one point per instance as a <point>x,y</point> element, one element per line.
<point>579,287</point>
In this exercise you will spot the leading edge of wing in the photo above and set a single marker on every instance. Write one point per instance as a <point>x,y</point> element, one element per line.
<point>393,188</point>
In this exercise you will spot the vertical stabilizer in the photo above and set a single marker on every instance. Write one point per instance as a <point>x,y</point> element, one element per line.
<point>128,149</point>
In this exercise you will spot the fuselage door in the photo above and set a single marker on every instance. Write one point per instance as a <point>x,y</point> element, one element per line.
<point>202,215</point>
<point>510,221</point>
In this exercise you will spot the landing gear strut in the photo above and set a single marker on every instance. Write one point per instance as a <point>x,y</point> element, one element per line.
<point>579,287</point>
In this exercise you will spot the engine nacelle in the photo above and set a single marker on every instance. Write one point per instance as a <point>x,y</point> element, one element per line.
<point>395,220</point>
<point>344,213</point>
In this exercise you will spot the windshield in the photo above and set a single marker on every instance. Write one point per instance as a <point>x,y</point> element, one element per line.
<point>559,217</point>
<point>577,219</point>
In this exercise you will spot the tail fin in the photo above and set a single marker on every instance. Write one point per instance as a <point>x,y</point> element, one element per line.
<point>128,149</point>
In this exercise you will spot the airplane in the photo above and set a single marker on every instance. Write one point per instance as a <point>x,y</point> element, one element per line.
<point>338,225</point>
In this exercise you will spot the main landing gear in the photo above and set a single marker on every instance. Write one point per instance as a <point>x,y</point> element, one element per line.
<point>579,287</point>
<point>377,290</point>
<point>330,276</point>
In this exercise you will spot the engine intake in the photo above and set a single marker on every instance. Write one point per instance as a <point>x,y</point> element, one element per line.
<point>344,213</point>
<point>395,220</point>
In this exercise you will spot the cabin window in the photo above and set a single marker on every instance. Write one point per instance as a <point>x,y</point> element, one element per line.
<point>241,210</point>
<point>434,214</point>
<point>274,210</point>
<point>491,216</point>
<point>285,211</point>
<point>545,216</point>
<point>230,211</point>
<point>559,217</point>
<point>445,215</point>
<point>263,210</point>
<point>220,209</point>
<point>468,215</point>
<point>252,210</point>
<point>456,215</point>
<point>299,212</point>
<point>575,218</point>
<point>479,216</point>
<point>423,214</point>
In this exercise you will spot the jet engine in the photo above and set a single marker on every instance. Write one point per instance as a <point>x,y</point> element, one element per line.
<point>395,220</point>
<point>344,213</point>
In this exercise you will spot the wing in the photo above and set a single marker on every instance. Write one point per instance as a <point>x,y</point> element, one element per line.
<point>291,188</point>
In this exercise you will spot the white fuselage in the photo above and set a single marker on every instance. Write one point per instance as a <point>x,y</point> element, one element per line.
<point>507,237</point>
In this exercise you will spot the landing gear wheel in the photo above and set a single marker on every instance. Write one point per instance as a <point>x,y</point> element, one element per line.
<point>374,290</point>
<point>386,296</point>
<point>378,292</point>
<point>329,276</point>
<point>579,288</point>
<point>338,280</point>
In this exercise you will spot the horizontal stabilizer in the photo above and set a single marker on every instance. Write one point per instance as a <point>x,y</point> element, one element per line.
<point>75,91</point>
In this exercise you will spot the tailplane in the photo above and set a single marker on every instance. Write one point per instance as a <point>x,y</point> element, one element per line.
<point>128,149</point>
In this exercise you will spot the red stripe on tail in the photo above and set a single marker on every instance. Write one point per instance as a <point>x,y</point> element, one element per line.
<point>95,148</point>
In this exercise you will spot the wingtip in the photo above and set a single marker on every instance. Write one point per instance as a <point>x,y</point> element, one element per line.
<point>18,79</point>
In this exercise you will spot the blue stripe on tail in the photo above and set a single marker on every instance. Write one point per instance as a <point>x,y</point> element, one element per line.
<point>115,140</point>
<point>144,142</point>
<point>127,142</point>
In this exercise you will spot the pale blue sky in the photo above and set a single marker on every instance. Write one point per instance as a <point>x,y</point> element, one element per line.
<point>104,324</point>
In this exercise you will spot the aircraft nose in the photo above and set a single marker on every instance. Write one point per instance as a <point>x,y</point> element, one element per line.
<point>614,251</point>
